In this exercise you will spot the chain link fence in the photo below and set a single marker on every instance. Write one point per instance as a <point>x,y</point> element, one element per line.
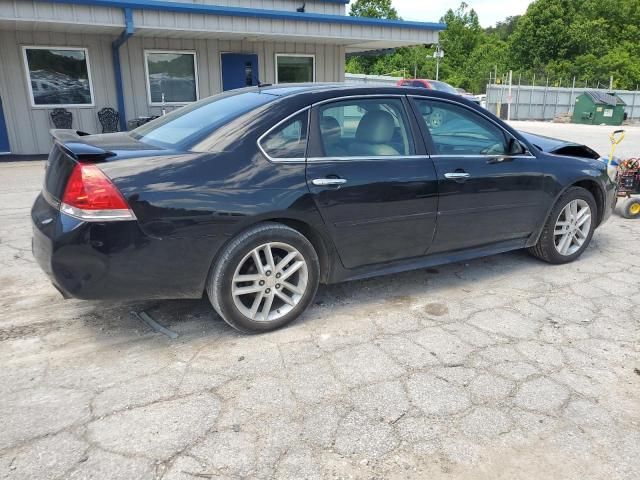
<point>530,102</point>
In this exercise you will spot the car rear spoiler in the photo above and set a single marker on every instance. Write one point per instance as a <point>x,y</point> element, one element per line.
<point>73,144</point>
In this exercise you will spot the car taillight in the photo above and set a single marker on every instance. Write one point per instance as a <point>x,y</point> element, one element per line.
<point>90,195</point>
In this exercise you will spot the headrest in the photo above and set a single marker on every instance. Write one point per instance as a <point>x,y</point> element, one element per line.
<point>376,127</point>
<point>330,128</point>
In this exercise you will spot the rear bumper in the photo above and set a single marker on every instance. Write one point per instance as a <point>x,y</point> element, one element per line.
<point>112,260</point>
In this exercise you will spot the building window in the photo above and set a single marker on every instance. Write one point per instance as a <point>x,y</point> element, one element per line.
<point>295,68</point>
<point>58,76</point>
<point>171,77</point>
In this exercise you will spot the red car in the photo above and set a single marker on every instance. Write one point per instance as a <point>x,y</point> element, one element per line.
<point>435,85</point>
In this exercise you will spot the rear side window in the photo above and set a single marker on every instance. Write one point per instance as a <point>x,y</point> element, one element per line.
<point>365,128</point>
<point>288,140</point>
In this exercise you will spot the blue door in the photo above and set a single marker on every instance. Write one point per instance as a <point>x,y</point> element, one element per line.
<point>239,70</point>
<point>4,139</point>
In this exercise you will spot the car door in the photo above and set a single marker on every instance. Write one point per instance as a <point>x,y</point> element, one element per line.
<point>371,180</point>
<point>490,186</point>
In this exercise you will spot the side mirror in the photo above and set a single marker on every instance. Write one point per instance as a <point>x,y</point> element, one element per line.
<point>515,147</point>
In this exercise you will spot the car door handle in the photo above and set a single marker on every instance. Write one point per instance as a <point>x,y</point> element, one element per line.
<point>501,159</point>
<point>323,182</point>
<point>456,175</point>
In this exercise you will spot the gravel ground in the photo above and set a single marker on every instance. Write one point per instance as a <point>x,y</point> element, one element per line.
<point>499,368</point>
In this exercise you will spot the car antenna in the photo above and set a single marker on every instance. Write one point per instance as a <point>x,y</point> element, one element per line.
<point>259,84</point>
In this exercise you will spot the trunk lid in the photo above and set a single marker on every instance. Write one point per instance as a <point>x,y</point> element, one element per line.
<point>68,149</point>
<point>72,147</point>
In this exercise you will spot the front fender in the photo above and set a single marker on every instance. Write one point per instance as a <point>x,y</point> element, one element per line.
<point>590,174</point>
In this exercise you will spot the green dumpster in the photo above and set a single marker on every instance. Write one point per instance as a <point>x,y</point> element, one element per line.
<point>598,108</point>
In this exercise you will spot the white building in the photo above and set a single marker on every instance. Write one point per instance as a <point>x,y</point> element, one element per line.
<point>142,56</point>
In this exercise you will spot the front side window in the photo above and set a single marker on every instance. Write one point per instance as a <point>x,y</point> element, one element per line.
<point>58,76</point>
<point>365,128</point>
<point>171,77</point>
<point>295,68</point>
<point>456,130</point>
<point>289,140</point>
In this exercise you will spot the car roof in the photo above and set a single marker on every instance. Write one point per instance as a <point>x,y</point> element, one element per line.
<point>346,89</point>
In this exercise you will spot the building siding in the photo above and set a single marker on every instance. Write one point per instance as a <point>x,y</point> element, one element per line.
<point>327,8</point>
<point>330,63</point>
<point>41,23</point>
<point>23,10</point>
<point>30,15</point>
<point>28,126</point>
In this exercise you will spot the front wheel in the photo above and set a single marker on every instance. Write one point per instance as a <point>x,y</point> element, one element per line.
<point>569,228</point>
<point>264,279</point>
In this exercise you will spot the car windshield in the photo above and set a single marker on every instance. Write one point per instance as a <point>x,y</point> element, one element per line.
<point>187,125</point>
<point>443,87</point>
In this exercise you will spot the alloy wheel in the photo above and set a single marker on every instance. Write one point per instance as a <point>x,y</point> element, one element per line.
<point>572,227</point>
<point>269,281</point>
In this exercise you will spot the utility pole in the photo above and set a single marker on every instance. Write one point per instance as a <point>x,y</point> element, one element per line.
<point>438,54</point>
<point>509,97</point>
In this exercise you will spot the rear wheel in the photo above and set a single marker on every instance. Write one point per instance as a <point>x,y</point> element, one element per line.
<point>569,228</point>
<point>631,208</point>
<point>264,279</point>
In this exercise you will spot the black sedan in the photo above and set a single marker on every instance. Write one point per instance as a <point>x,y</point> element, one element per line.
<point>257,196</point>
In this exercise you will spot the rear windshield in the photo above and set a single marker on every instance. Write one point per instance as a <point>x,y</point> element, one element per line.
<point>188,125</point>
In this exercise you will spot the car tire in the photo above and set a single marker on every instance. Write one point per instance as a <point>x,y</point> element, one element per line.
<point>631,208</point>
<point>282,291</point>
<point>559,241</point>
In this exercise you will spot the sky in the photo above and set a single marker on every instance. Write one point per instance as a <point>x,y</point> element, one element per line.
<point>489,11</point>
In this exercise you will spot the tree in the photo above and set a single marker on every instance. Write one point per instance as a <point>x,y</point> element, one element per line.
<point>586,39</point>
<point>505,28</point>
<point>542,34</point>
<point>374,9</point>
<point>462,36</point>
<point>490,53</point>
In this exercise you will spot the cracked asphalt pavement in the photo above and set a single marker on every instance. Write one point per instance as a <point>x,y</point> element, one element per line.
<point>500,368</point>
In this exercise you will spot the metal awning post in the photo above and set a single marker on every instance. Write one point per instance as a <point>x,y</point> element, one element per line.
<point>127,33</point>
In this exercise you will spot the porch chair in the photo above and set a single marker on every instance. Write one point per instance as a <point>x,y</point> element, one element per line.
<point>109,119</point>
<point>61,118</point>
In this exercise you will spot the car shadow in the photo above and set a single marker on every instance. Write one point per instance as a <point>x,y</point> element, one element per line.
<point>192,319</point>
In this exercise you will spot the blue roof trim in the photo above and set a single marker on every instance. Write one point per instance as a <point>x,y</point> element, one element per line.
<point>199,8</point>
